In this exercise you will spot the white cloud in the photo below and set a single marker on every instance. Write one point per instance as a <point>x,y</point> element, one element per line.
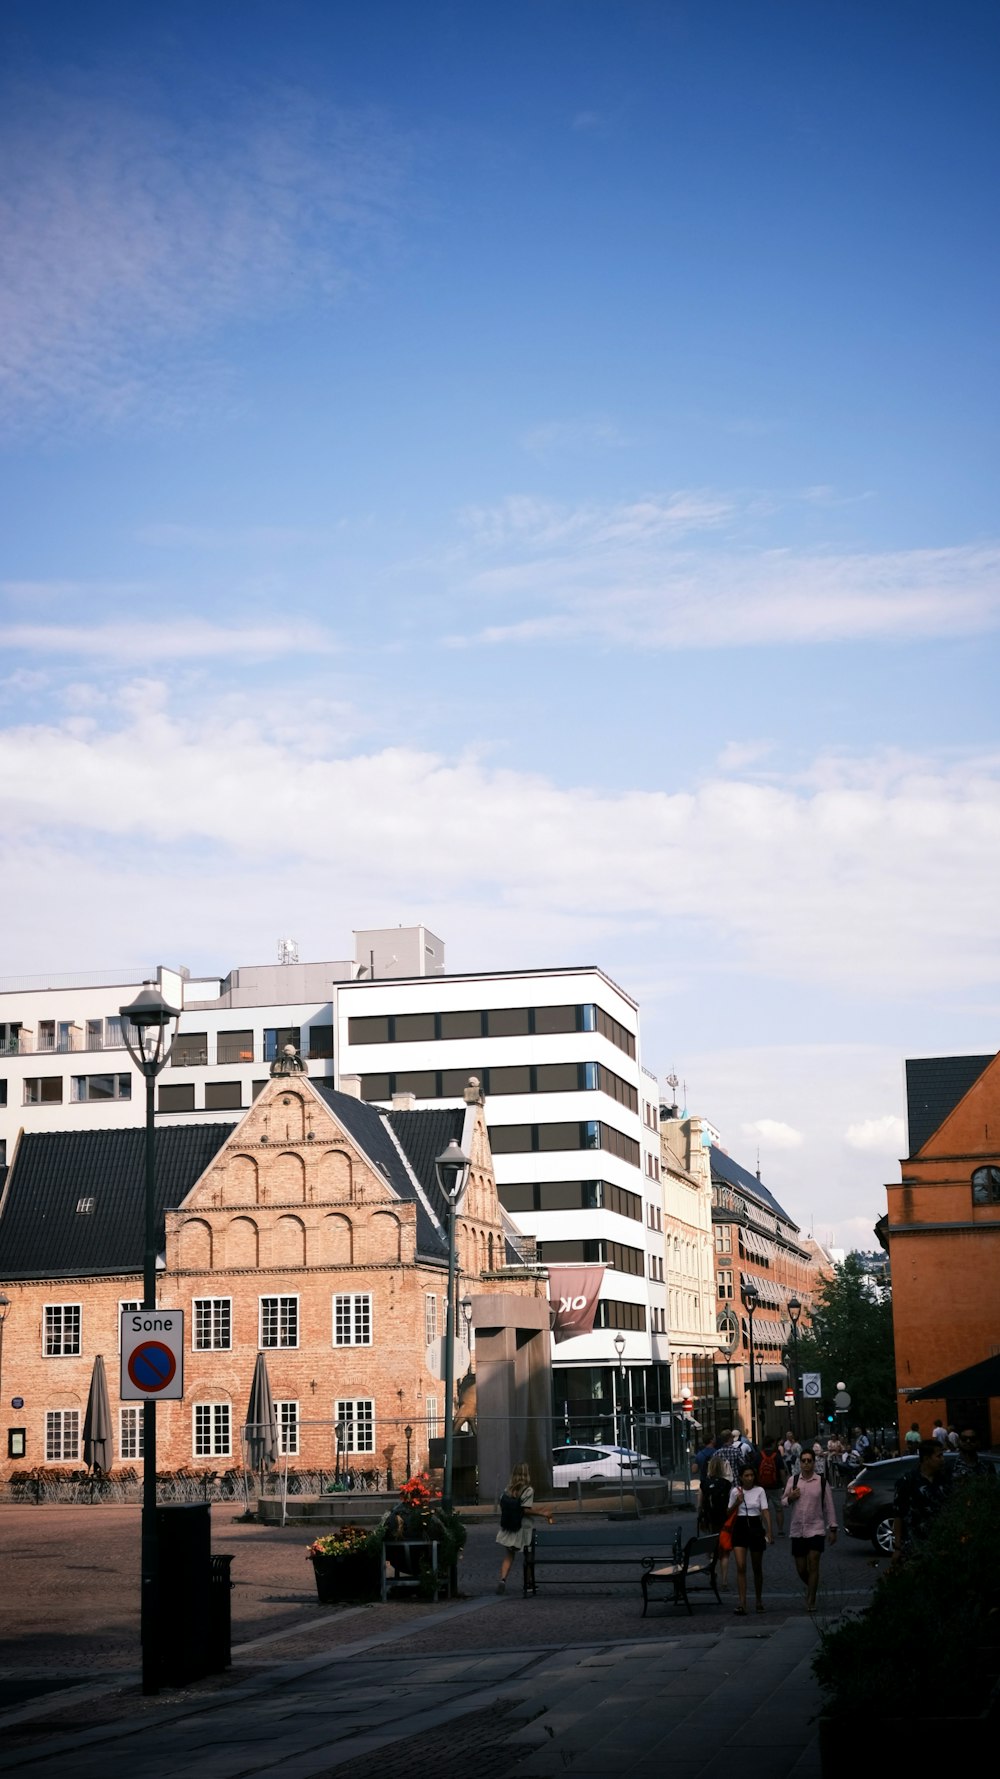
<point>130,237</point>
<point>840,878</point>
<point>877,1136</point>
<point>775,1134</point>
<point>686,570</point>
<point>183,639</point>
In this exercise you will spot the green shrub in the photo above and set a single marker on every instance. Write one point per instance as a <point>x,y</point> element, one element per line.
<point>919,1643</point>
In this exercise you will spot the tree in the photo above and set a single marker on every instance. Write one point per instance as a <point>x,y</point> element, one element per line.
<point>851,1339</point>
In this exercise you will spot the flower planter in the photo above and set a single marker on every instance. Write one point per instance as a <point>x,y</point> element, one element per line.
<point>355,1576</point>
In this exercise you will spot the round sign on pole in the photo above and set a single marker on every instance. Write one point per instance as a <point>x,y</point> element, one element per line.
<point>842,1399</point>
<point>152,1367</point>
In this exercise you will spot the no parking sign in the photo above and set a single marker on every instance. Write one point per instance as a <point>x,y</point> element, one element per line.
<point>152,1355</point>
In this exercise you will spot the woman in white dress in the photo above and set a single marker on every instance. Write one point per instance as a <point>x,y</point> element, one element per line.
<point>519,1492</point>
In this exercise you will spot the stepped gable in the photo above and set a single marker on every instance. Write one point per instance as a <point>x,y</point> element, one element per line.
<point>48,1226</point>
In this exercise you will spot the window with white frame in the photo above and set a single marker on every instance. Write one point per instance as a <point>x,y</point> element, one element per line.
<point>288,1428</point>
<point>62,1330</point>
<point>213,1324</point>
<point>212,1430</point>
<point>431,1411</point>
<point>62,1436</point>
<point>279,1322</point>
<point>430,1318</point>
<point>358,1414</point>
<point>130,1432</point>
<point>126,1306</point>
<point>352,1319</point>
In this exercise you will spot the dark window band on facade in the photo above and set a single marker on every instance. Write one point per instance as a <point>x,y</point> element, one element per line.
<point>492,1022</point>
<point>555,1077</point>
<point>570,1195</point>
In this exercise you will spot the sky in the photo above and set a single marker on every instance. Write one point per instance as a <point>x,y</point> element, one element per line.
<point>530,469</point>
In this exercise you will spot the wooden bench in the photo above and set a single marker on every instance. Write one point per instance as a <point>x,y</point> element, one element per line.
<point>699,1560</point>
<point>593,1550</point>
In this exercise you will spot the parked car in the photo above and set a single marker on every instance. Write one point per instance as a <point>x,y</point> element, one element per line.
<point>599,1464</point>
<point>869,1498</point>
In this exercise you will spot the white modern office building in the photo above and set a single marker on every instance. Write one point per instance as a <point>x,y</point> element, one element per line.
<point>573,1116</point>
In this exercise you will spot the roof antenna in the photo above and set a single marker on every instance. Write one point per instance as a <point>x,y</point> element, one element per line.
<point>758,1161</point>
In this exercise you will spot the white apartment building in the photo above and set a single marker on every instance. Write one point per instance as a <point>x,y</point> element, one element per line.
<point>573,1116</point>
<point>689,1242</point>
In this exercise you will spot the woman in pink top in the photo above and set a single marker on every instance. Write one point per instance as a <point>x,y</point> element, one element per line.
<point>814,1522</point>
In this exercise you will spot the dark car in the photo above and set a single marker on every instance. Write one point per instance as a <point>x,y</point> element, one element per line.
<point>868,1502</point>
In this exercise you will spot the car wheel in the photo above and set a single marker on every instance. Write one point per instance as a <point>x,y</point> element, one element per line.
<point>882,1537</point>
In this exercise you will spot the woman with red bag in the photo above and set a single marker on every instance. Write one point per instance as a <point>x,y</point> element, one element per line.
<point>751,1531</point>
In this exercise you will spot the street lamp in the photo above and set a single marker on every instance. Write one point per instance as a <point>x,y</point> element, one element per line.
<point>619,1346</point>
<point>144,1034</point>
<point>794,1309</point>
<point>340,1429</point>
<point>452,1169</point>
<point>408,1435</point>
<point>4,1313</point>
<point>751,1300</point>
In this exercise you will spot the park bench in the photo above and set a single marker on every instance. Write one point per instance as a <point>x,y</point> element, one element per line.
<point>612,1553</point>
<point>698,1560</point>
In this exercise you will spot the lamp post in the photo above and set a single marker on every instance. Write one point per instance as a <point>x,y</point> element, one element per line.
<point>340,1429</point>
<point>4,1313</point>
<point>794,1308</point>
<point>619,1346</point>
<point>751,1301</point>
<point>144,1033</point>
<point>452,1169</point>
<point>408,1435</point>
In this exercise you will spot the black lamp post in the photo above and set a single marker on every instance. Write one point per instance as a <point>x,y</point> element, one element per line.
<point>751,1301</point>
<point>794,1309</point>
<point>4,1313</point>
<point>144,1034</point>
<point>340,1429</point>
<point>408,1435</point>
<point>452,1169</point>
<point>619,1346</point>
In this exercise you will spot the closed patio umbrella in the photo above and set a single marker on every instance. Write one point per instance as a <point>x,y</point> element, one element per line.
<point>98,1441</point>
<point>261,1431</point>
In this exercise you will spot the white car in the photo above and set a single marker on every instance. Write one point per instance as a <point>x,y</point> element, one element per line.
<point>599,1464</point>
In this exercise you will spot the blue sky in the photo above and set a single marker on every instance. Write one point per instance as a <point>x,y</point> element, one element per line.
<point>530,469</point>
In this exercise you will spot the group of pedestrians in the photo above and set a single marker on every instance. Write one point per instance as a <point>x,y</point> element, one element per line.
<point>744,1497</point>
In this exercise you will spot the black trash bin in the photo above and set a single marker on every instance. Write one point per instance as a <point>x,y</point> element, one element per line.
<point>220,1617</point>
<point>184,1538</point>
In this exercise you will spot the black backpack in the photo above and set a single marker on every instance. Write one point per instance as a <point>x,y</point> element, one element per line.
<point>511,1513</point>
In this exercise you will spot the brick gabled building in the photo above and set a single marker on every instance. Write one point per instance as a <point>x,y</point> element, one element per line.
<point>313,1230</point>
<point>943,1235</point>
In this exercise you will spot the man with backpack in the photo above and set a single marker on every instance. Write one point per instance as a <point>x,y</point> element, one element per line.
<point>772,1474</point>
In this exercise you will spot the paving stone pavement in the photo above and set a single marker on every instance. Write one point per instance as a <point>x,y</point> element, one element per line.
<point>694,1704</point>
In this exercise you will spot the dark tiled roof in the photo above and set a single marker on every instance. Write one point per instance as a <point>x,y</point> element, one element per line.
<point>728,1172</point>
<point>425,1136</point>
<point>934,1086</point>
<point>422,1135</point>
<point>44,1235</point>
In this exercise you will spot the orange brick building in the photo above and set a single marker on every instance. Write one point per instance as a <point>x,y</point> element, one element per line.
<point>943,1234</point>
<point>312,1231</point>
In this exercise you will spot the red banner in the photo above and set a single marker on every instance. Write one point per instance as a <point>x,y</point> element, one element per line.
<point>573,1293</point>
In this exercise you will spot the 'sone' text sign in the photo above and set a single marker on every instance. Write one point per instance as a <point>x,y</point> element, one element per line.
<point>152,1355</point>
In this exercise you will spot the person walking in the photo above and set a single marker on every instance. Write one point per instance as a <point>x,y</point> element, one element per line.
<point>772,1473</point>
<point>813,1524</point>
<point>751,1533</point>
<point>911,1439</point>
<point>919,1498</point>
<point>715,1492</point>
<point>517,1506</point>
<point>968,1462</point>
